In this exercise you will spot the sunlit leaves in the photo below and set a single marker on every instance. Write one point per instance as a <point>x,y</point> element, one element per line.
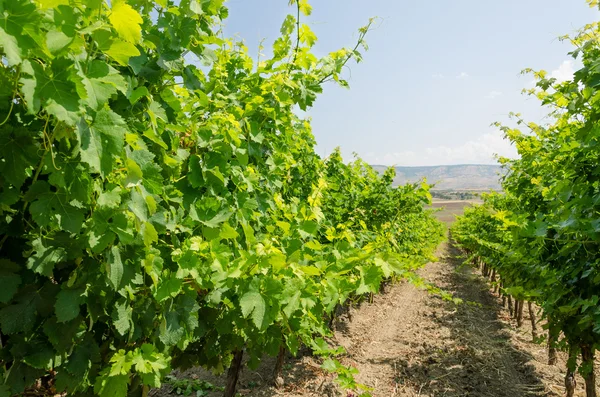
<point>121,51</point>
<point>150,205</point>
<point>101,81</point>
<point>11,48</point>
<point>44,257</point>
<point>52,87</point>
<point>126,21</point>
<point>539,237</point>
<point>252,303</point>
<point>114,267</point>
<point>101,141</point>
<point>53,207</point>
<point>307,36</point>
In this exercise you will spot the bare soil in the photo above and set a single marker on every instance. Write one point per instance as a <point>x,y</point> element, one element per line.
<point>410,343</point>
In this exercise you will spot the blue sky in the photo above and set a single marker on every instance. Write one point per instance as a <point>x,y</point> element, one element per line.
<point>436,75</point>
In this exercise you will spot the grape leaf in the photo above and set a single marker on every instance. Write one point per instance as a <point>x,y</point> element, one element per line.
<point>101,81</point>
<point>9,280</point>
<point>102,140</point>
<point>52,87</point>
<point>114,267</point>
<point>111,386</point>
<point>253,303</point>
<point>67,304</point>
<point>53,206</point>
<point>11,48</point>
<point>44,258</point>
<point>168,288</point>
<point>19,317</point>
<point>126,21</point>
<point>122,317</point>
<point>18,152</point>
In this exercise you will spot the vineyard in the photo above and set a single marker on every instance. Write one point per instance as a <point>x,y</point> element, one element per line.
<point>162,205</point>
<point>539,241</point>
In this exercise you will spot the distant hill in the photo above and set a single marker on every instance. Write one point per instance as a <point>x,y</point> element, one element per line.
<point>450,177</point>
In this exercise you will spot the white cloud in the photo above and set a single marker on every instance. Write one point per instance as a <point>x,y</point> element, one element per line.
<point>493,95</point>
<point>479,151</point>
<point>437,76</point>
<point>462,75</point>
<point>564,72</point>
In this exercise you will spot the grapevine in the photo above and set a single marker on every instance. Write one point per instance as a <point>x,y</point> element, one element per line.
<point>162,205</point>
<point>542,235</point>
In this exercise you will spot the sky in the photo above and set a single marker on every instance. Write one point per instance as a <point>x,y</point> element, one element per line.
<point>437,74</point>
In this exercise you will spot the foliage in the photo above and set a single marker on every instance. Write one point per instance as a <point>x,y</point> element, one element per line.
<point>543,235</point>
<point>161,203</point>
<point>188,387</point>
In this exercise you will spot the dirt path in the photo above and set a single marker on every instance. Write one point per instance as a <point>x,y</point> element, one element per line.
<point>409,343</point>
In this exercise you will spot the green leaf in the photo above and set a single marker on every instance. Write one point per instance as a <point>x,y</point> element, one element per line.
<point>102,140</point>
<point>305,8</point>
<point>45,4</point>
<point>101,82</point>
<point>170,329</point>
<point>121,51</point>
<point>137,94</point>
<point>111,386</point>
<point>126,21</point>
<point>11,48</point>
<point>122,317</point>
<point>44,258</point>
<point>51,207</point>
<point>149,234</point>
<point>307,36</point>
<point>98,242</point>
<point>227,232</point>
<point>9,281</point>
<point>371,278</point>
<point>221,217</point>
<point>67,304</point>
<point>253,303</point>
<point>19,317</point>
<point>168,288</point>
<point>57,41</point>
<point>110,199</point>
<point>293,304</point>
<point>5,391</point>
<point>114,267</point>
<point>53,88</point>
<point>18,152</point>
<point>42,358</point>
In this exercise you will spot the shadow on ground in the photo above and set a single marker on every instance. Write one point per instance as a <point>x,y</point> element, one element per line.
<point>474,357</point>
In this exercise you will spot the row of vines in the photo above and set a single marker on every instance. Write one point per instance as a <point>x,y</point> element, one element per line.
<point>161,202</point>
<point>540,239</point>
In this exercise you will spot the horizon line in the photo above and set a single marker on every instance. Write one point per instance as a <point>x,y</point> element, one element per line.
<point>439,165</point>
